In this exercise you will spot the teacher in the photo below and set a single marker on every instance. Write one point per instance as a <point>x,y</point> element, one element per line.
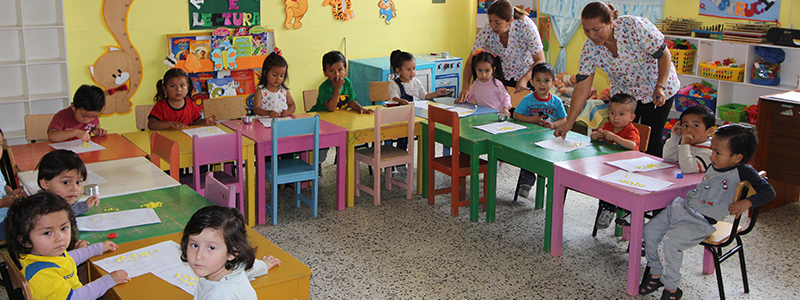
<point>631,50</point>
<point>512,36</point>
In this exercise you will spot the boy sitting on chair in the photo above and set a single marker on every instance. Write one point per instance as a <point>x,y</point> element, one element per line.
<point>687,222</point>
<point>79,119</point>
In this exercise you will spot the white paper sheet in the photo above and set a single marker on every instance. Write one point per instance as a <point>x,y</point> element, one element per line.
<point>500,127</point>
<point>423,104</point>
<point>636,181</point>
<point>180,275</point>
<point>440,105</point>
<point>143,260</point>
<point>93,178</point>
<point>462,111</point>
<point>562,145</point>
<point>117,219</point>
<point>78,146</point>
<point>641,164</point>
<point>204,131</point>
<point>791,96</point>
<point>267,122</point>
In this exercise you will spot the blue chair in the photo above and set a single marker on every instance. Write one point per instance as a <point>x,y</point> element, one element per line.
<point>294,170</point>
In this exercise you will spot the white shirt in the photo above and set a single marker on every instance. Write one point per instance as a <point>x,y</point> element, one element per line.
<point>234,286</point>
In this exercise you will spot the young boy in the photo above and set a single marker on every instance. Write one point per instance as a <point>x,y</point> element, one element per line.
<point>63,173</point>
<point>686,222</point>
<point>541,108</point>
<point>7,194</point>
<point>689,145</point>
<point>79,120</point>
<point>336,92</point>
<point>619,131</point>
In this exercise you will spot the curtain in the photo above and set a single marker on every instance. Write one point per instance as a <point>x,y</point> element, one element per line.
<point>564,29</point>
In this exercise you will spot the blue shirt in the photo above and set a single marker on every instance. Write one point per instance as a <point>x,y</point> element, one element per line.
<point>533,106</point>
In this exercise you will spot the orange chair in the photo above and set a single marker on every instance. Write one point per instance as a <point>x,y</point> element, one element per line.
<point>457,165</point>
<point>162,147</point>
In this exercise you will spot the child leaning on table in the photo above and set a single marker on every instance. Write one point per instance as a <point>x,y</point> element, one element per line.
<point>174,109</point>
<point>41,228</point>
<point>686,222</point>
<point>79,120</point>
<point>618,131</point>
<point>689,144</point>
<point>541,108</point>
<point>215,244</point>
<point>7,194</point>
<point>487,87</point>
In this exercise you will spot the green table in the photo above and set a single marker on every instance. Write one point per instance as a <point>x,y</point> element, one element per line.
<point>521,151</point>
<point>178,205</point>
<point>473,142</point>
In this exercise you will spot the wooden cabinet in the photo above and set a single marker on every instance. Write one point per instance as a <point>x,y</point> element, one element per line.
<point>778,144</point>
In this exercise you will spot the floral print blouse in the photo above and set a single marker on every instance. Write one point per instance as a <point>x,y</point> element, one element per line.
<point>523,43</point>
<point>273,101</point>
<point>634,71</point>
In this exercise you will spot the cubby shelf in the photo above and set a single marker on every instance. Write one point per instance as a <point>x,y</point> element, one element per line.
<point>243,63</point>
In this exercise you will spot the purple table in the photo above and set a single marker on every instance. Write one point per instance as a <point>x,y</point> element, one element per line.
<point>582,175</point>
<point>330,135</point>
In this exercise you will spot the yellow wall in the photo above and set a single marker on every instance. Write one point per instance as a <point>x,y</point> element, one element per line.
<point>672,8</point>
<point>420,27</point>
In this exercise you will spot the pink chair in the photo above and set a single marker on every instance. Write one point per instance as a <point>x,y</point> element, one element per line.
<point>221,194</point>
<point>218,149</point>
<point>382,156</point>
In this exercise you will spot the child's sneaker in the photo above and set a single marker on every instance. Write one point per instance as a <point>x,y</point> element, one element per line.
<point>604,219</point>
<point>524,190</point>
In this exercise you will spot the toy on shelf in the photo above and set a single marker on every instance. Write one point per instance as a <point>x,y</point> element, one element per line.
<point>733,112</point>
<point>677,26</point>
<point>696,94</point>
<point>710,32</point>
<point>752,113</point>
<point>682,53</point>
<point>747,32</point>
<point>726,69</point>
<point>767,68</point>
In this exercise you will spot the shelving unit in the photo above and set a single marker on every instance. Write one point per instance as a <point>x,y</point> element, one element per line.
<point>33,64</point>
<point>745,92</point>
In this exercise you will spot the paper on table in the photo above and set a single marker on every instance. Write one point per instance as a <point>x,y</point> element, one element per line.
<point>791,96</point>
<point>462,111</point>
<point>93,178</point>
<point>640,164</point>
<point>562,145</point>
<point>440,105</point>
<point>180,275</point>
<point>117,219</point>
<point>423,104</point>
<point>635,180</point>
<point>78,146</point>
<point>267,122</point>
<point>143,260</point>
<point>203,131</point>
<point>500,127</point>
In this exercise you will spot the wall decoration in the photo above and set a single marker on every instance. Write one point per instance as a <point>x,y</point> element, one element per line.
<point>387,10</point>
<point>753,10</point>
<point>342,9</point>
<point>295,10</point>
<point>119,69</point>
<point>210,14</point>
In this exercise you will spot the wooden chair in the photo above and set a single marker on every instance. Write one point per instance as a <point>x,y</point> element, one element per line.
<point>226,108</point>
<point>17,287</point>
<point>382,156</point>
<point>457,165</point>
<point>217,149</point>
<point>309,99</point>
<point>36,127</point>
<point>142,113</point>
<point>379,91</point>
<point>293,170</point>
<point>8,167</point>
<point>221,194</point>
<point>164,148</point>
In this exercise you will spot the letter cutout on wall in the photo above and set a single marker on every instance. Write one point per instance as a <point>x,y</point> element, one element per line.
<point>342,9</point>
<point>295,9</point>
<point>119,69</point>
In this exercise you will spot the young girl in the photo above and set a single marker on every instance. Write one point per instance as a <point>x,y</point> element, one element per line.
<point>7,194</point>
<point>173,108</point>
<point>215,244</point>
<point>488,90</point>
<point>406,88</point>
<point>40,229</point>
<point>272,94</point>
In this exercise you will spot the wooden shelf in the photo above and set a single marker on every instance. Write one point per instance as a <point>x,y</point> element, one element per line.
<point>244,63</point>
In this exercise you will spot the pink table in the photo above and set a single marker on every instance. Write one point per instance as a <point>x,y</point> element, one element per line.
<point>582,175</point>
<point>330,135</point>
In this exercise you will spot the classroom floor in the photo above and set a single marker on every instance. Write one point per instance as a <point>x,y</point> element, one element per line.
<point>406,249</point>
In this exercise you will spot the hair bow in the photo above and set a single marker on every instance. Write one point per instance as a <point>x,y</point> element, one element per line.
<point>478,51</point>
<point>120,88</point>
<point>277,51</point>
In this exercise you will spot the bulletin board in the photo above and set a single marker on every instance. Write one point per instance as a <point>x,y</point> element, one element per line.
<point>753,10</point>
<point>210,14</point>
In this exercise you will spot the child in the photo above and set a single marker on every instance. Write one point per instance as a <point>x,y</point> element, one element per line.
<point>40,229</point>
<point>7,194</point>
<point>686,222</point>
<point>63,173</point>
<point>215,244</point>
<point>542,108</point>
<point>689,144</point>
<point>488,90</point>
<point>272,93</point>
<point>336,92</point>
<point>173,108</point>
<point>79,120</point>
<point>619,131</point>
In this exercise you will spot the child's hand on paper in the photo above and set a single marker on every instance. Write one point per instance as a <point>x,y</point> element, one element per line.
<point>80,244</point>
<point>271,261</point>
<point>109,246</point>
<point>739,207</point>
<point>92,201</point>
<point>177,125</point>
<point>120,276</point>
<point>210,120</point>
<point>273,114</point>
<point>83,135</point>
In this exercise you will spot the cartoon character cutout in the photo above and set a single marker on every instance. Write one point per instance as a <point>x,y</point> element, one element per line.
<point>387,10</point>
<point>295,9</point>
<point>224,59</point>
<point>342,9</point>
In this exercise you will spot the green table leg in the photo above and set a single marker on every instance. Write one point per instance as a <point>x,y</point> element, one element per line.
<point>474,187</point>
<point>540,183</point>
<point>424,158</point>
<point>548,219</point>
<point>491,186</point>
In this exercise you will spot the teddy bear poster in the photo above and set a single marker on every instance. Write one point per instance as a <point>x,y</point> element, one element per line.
<point>208,14</point>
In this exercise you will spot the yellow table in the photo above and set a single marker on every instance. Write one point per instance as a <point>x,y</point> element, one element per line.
<point>360,130</point>
<point>142,140</point>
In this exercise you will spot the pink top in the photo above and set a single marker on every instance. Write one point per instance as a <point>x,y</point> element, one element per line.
<point>490,94</point>
<point>65,120</point>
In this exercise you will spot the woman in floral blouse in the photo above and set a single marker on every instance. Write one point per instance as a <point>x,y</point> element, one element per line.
<point>512,36</point>
<point>632,52</point>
